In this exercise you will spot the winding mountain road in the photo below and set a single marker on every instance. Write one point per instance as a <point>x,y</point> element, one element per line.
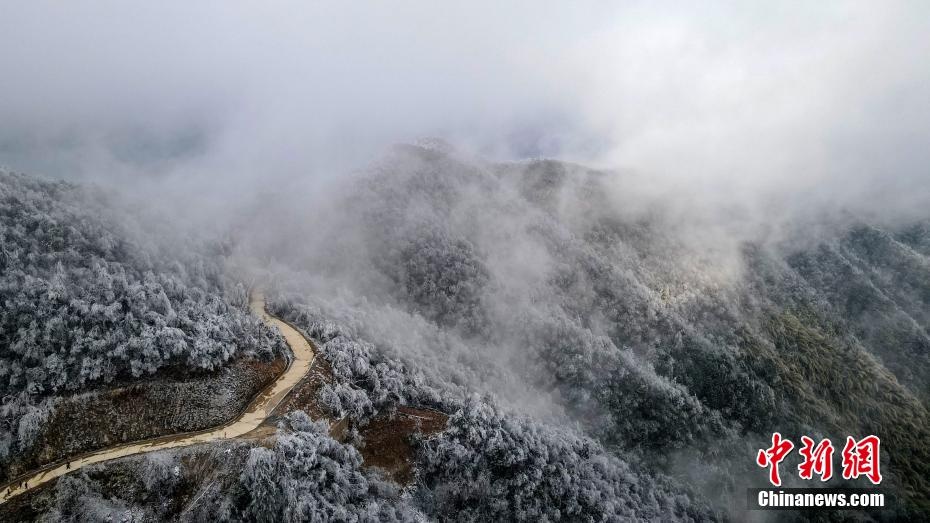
<point>258,410</point>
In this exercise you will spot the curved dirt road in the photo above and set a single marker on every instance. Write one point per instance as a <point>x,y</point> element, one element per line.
<point>258,410</point>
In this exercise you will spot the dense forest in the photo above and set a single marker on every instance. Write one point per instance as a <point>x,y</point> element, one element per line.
<point>94,293</point>
<point>669,346</point>
<point>599,360</point>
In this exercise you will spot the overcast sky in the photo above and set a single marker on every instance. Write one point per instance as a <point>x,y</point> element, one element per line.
<point>725,97</point>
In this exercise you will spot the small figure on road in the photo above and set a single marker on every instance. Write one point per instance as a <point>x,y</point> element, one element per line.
<point>68,466</point>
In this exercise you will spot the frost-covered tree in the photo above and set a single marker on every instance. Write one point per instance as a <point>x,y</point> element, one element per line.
<point>308,476</point>
<point>92,293</point>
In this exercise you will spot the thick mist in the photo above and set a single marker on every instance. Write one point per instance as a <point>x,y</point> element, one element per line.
<point>755,110</point>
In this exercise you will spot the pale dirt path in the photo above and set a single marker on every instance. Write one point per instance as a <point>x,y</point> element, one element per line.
<point>258,410</point>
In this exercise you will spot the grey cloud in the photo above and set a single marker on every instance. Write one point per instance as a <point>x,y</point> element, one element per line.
<point>800,105</point>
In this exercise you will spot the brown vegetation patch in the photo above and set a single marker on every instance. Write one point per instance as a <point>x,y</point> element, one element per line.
<point>388,439</point>
<point>304,396</point>
<point>157,407</point>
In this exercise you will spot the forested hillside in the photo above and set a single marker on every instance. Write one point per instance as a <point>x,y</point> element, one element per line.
<point>599,359</point>
<point>95,293</point>
<point>670,345</point>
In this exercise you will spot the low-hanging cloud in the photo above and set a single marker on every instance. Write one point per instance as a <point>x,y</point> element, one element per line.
<point>822,103</point>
